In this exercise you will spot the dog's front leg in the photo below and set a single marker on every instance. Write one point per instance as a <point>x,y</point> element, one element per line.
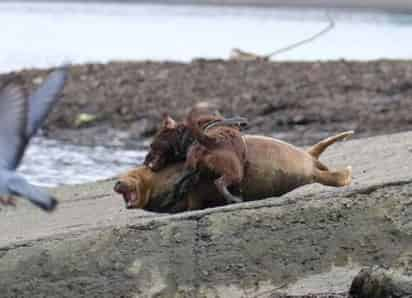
<point>183,185</point>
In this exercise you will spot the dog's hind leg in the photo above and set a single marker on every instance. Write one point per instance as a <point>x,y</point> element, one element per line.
<point>333,178</point>
<point>222,183</point>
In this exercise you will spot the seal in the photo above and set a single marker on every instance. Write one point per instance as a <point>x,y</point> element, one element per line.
<point>142,188</point>
<point>274,168</point>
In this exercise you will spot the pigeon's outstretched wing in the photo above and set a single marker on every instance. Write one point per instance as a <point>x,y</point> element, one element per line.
<point>43,99</point>
<point>19,187</point>
<point>13,111</point>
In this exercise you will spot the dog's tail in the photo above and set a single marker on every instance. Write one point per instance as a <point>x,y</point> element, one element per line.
<point>318,149</point>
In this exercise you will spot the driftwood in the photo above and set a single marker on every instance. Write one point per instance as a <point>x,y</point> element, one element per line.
<point>380,283</point>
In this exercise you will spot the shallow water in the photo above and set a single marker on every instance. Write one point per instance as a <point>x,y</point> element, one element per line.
<point>45,34</point>
<point>52,163</point>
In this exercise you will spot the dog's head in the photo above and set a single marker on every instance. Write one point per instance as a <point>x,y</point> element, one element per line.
<point>135,187</point>
<point>171,142</point>
<point>163,145</point>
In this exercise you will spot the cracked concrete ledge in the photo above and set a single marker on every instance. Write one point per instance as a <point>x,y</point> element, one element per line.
<point>310,241</point>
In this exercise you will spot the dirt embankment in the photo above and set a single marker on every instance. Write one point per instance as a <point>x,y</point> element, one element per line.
<point>298,102</point>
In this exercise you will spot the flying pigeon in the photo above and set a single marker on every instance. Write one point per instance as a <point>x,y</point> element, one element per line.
<point>20,118</point>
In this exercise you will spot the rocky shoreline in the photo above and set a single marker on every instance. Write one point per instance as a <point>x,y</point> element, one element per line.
<point>311,242</point>
<point>121,103</point>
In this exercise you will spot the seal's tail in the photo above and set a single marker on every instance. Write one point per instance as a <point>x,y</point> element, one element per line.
<point>318,149</point>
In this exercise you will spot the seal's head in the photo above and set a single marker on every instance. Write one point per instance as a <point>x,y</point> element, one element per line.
<point>135,187</point>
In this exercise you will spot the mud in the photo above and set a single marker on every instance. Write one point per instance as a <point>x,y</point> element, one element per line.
<point>298,102</point>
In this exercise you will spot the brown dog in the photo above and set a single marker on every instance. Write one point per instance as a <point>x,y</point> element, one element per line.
<point>172,141</point>
<point>274,168</point>
<point>220,151</point>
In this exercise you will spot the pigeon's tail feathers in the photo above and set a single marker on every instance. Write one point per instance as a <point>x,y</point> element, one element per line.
<point>43,99</point>
<point>20,187</point>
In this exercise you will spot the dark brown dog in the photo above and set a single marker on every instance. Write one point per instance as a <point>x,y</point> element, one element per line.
<point>169,145</point>
<point>172,141</point>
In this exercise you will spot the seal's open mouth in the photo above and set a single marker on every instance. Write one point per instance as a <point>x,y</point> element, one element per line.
<point>130,200</point>
<point>129,196</point>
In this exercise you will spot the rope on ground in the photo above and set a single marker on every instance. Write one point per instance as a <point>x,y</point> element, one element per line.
<point>238,54</point>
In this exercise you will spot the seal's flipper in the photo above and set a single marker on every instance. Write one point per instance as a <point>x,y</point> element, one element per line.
<point>318,149</point>
<point>333,178</point>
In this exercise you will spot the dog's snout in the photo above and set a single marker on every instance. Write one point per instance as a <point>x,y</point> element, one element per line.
<point>243,124</point>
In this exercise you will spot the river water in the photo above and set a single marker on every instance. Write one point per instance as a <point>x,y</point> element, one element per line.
<point>45,34</point>
<point>52,163</point>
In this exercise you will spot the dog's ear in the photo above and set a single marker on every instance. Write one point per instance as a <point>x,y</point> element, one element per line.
<point>168,122</point>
